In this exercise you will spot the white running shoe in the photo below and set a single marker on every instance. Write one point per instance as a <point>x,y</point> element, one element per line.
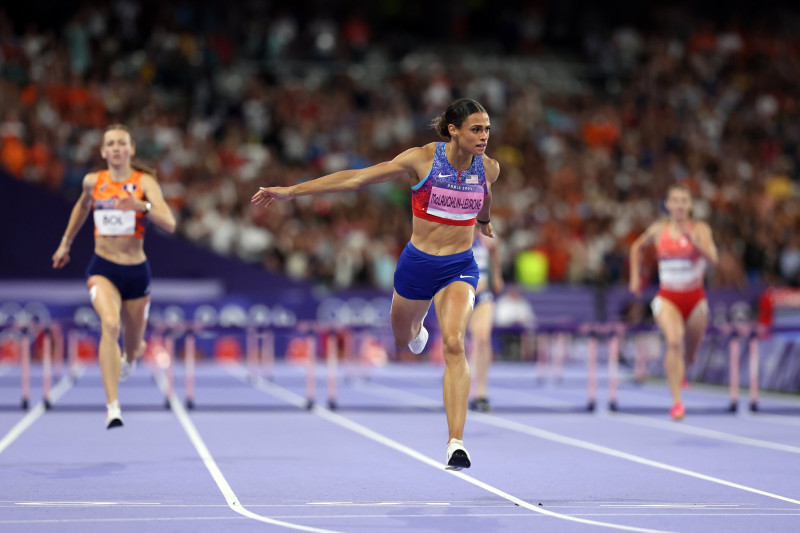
<point>418,343</point>
<point>457,455</point>
<point>113,415</point>
<point>127,368</point>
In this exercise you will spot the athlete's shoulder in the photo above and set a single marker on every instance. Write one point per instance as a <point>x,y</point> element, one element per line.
<point>90,180</point>
<point>418,153</point>
<point>492,168</point>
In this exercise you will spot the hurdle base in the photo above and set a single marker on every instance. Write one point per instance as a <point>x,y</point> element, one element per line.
<point>733,406</point>
<point>189,403</point>
<point>47,404</point>
<point>590,406</point>
<point>309,405</point>
<point>612,406</point>
<point>166,404</point>
<point>332,405</point>
<point>24,404</point>
<point>753,407</point>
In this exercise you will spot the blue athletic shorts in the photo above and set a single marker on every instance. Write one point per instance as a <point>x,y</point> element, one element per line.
<point>132,281</point>
<point>419,276</point>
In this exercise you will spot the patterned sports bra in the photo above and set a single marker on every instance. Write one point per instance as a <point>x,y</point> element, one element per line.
<point>447,195</point>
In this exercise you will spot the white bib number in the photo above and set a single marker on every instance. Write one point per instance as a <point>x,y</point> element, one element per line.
<point>115,222</point>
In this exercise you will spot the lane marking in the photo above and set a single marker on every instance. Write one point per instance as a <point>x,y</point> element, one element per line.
<point>210,464</point>
<point>64,384</point>
<point>702,432</point>
<point>280,392</point>
<point>518,427</point>
<point>393,515</point>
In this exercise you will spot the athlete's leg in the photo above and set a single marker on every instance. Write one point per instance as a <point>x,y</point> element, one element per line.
<point>134,323</point>
<point>480,330</point>
<point>406,318</point>
<point>670,321</point>
<point>453,308</point>
<point>696,326</point>
<point>108,303</point>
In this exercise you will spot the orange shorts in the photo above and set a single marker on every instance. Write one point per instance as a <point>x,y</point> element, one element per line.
<point>685,301</point>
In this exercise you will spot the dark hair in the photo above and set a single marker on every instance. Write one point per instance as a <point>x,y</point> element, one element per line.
<point>455,114</point>
<point>135,164</point>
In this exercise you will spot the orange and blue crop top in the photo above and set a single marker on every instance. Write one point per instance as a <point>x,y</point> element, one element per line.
<point>450,196</point>
<point>110,221</point>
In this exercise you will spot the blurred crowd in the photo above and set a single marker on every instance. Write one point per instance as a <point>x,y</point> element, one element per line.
<point>589,135</point>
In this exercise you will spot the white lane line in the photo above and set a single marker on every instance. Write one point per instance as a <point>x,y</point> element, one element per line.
<point>294,399</point>
<point>35,413</point>
<point>394,515</point>
<point>702,432</point>
<point>578,443</point>
<point>208,460</point>
<point>504,423</point>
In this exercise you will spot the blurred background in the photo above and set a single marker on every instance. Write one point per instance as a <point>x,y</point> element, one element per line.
<point>596,108</point>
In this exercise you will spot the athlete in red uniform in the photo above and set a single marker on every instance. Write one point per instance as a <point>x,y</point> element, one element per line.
<point>122,198</point>
<point>684,247</point>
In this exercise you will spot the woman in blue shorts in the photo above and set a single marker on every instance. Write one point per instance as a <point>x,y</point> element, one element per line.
<point>122,199</point>
<point>450,192</point>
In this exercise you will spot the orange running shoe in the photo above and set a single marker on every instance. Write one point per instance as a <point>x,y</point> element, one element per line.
<point>678,411</point>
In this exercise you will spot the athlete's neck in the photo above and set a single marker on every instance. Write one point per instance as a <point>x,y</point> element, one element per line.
<point>120,174</point>
<point>459,160</point>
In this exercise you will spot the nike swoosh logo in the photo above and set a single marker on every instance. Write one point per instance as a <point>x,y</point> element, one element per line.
<point>444,175</point>
<point>463,276</point>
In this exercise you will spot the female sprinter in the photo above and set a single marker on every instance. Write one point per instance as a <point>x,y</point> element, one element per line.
<point>123,198</point>
<point>680,308</point>
<point>480,325</point>
<point>450,191</point>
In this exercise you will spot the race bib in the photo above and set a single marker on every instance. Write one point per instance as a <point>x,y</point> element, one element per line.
<point>455,201</point>
<point>114,222</point>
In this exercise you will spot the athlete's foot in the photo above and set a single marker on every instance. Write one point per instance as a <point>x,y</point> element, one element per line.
<point>113,415</point>
<point>480,404</point>
<point>128,366</point>
<point>678,411</point>
<point>457,455</point>
<point>418,343</point>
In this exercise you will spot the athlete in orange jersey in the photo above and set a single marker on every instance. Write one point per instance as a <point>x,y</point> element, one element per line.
<point>684,247</point>
<point>123,199</point>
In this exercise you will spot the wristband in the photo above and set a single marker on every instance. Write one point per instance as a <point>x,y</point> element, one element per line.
<point>147,207</point>
<point>483,222</point>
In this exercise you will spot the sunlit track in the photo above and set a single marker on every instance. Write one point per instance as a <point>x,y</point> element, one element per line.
<point>216,473</point>
<point>340,420</point>
<point>504,423</point>
<point>61,388</point>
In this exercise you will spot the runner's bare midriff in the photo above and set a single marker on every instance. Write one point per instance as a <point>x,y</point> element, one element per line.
<point>120,250</point>
<point>435,238</point>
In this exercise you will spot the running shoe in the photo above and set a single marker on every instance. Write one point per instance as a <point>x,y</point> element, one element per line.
<point>678,411</point>
<point>457,455</point>
<point>418,344</point>
<point>113,415</point>
<point>127,368</point>
<point>480,404</point>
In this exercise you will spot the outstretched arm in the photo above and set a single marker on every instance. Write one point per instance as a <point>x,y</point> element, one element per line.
<point>345,180</point>
<point>635,282</point>
<point>484,215</point>
<point>80,212</point>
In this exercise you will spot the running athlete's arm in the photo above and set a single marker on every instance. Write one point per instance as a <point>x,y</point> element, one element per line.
<point>492,168</point>
<point>635,282</point>
<point>404,165</point>
<point>496,282</point>
<point>160,214</point>
<point>701,238</point>
<point>80,212</point>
